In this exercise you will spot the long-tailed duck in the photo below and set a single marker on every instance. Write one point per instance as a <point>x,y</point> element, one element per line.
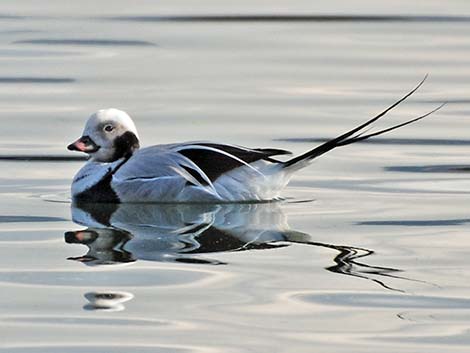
<point>119,171</point>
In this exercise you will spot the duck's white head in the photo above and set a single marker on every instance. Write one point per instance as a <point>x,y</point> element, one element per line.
<point>109,135</point>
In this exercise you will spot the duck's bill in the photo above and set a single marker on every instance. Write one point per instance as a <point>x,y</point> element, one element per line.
<point>84,144</point>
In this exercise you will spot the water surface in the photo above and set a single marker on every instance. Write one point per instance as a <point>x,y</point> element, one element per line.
<point>367,252</point>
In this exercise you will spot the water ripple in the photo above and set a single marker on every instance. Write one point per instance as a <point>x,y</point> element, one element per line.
<point>417,223</point>
<point>41,158</point>
<point>378,300</point>
<point>91,42</point>
<point>28,219</point>
<point>130,278</point>
<point>26,79</point>
<point>80,348</point>
<point>11,17</point>
<point>445,168</point>
<point>86,321</point>
<point>15,53</point>
<point>292,18</point>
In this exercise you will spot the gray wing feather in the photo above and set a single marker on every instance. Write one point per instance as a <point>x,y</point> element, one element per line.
<point>187,171</point>
<point>150,162</point>
<point>158,173</point>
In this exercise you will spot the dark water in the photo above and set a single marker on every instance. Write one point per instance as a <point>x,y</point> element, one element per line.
<point>367,252</point>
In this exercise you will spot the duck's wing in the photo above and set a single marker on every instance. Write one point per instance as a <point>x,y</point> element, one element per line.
<point>157,174</point>
<point>198,164</point>
<point>200,161</point>
<point>214,160</point>
<point>151,164</point>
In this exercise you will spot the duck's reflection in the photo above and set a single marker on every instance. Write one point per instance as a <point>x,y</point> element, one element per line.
<point>181,233</point>
<point>105,245</point>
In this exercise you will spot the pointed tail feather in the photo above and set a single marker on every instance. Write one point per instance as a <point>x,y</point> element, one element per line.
<point>357,134</point>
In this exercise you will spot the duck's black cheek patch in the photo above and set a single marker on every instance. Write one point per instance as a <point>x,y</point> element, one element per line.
<point>125,145</point>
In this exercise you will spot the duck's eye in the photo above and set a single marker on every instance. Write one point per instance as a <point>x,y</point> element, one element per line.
<point>108,128</point>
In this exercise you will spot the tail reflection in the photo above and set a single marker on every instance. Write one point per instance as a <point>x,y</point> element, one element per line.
<point>181,233</point>
<point>347,263</point>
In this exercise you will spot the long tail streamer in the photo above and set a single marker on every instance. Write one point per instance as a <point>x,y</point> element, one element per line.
<point>359,133</point>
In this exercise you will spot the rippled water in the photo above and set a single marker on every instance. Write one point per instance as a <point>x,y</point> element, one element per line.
<point>368,251</point>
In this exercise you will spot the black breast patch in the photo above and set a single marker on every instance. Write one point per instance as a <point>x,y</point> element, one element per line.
<point>100,192</point>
